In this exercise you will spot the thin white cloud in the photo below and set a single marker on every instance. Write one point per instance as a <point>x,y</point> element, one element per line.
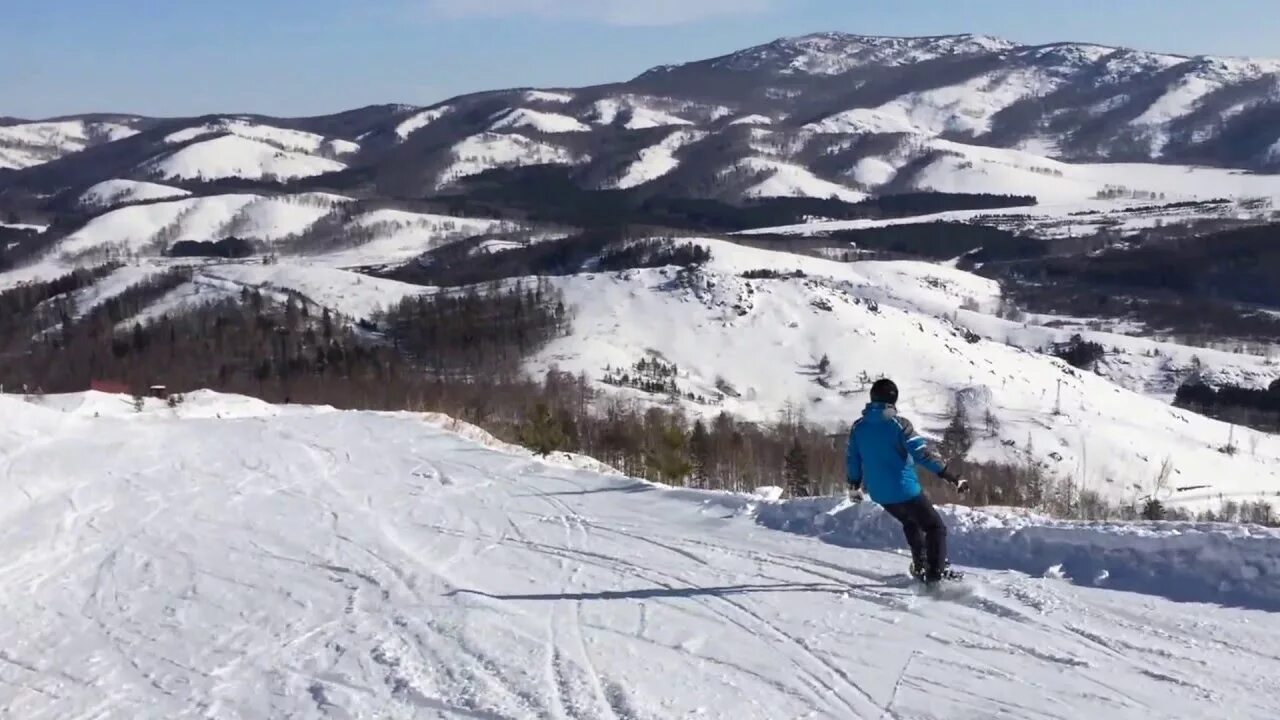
<point>612,12</point>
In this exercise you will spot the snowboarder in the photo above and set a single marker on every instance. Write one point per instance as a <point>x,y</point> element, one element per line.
<point>883,452</point>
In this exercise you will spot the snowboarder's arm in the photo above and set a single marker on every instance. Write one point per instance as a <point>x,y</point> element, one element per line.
<point>920,450</point>
<point>853,460</point>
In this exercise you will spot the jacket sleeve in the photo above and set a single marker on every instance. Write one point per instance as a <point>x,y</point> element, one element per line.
<point>920,449</point>
<point>853,459</point>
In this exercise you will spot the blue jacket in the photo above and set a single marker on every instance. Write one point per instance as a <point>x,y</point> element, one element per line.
<point>883,452</point>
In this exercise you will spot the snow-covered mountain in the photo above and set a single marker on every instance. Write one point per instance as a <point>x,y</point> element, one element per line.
<point>823,115</point>
<point>359,564</point>
<point>26,144</point>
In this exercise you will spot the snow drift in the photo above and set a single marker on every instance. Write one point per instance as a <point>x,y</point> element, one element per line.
<point>1196,562</point>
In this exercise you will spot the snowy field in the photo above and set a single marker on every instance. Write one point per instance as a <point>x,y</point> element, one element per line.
<point>344,564</point>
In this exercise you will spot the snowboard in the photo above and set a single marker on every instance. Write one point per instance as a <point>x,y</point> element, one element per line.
<point>952,588</point>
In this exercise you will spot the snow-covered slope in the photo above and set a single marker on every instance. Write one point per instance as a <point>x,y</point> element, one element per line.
<point>765,337</point>
<point>346,564</point>
<point>546,122</point>
<point>837,53</point>
<point>419,120</point>
<point>135,228</point>
<point>123,192</point>
<point>29,144</point>
<point>787,180</point>
<point>639,113</point>
<point>286,139</point>
<point>235,156</point>
<point>399,236</point>
<point>487,151</point>
<point>1056,220</point>
<point>657,160</point>
<point>933,164</point>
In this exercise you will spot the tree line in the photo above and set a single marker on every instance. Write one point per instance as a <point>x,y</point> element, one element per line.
<point>550,193</point>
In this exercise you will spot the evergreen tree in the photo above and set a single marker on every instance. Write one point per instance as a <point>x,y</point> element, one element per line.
<point>542,432</point>
<point>796,470</point>
<point>669,458</point>
<point>957,438</point>
<point>700,455</point>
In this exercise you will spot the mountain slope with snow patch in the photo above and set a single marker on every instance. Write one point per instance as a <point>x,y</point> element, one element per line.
<point>235,156</point>
<point>122,192</point>
<point>546,122</point>
<point>487,151</point>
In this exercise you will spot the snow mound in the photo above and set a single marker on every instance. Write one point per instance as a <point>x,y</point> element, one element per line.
<point>541,121</point>
<point>753,120</point>
<point>123,192</point>
<point>1191,562</point>
<point>236,156</point>
<point>487,151</point>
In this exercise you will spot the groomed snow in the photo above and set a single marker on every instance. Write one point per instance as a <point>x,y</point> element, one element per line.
<point>353,564</point>
<point>546,122</point>
<point>236,156</point>
<point>122,192</point>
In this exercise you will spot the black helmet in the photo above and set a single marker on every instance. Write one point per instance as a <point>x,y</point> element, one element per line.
<point>884,391</point>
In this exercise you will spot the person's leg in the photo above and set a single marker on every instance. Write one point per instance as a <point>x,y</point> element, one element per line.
<point>926,517</point>
<point>903,513</point>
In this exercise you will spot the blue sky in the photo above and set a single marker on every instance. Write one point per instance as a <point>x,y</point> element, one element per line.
<point>298,57</point>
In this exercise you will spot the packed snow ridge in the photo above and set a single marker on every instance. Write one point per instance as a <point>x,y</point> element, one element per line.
<point>359,564</point>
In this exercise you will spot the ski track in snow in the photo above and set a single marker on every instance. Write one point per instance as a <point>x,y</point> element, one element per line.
<point>342,565</point>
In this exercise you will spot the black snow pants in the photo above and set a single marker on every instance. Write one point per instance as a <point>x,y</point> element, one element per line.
<point>925,531</point>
